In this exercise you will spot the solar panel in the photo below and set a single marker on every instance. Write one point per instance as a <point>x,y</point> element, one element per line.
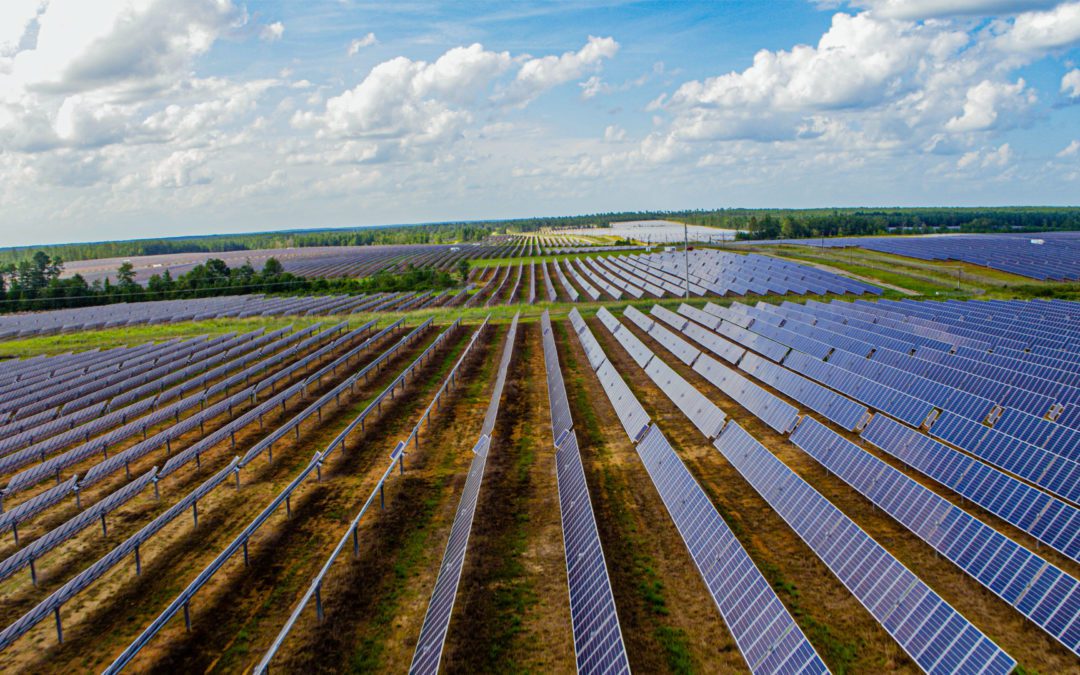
<point>561,421</point>
<point>770,409</point>
<point>436,624</point>
<point>932,633</point>
<point>999,564</point>
<point>1046,518</point>
<point>845,412</point>
<point>598,639</point>
<point>1052,472</point>
<point>767,636</point>
<point>593,352</point>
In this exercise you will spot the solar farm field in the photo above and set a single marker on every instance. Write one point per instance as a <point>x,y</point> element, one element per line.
<point>699,461</point>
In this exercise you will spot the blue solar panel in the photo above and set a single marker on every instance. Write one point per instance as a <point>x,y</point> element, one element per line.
<point>598,640</point>
<point>1046,518</point>
<point>1004,567</point>
<point>765,632</point>
<point>1047,470</point>
<point>936,637</point>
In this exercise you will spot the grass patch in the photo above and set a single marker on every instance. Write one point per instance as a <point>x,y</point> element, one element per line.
<point>839,651</point>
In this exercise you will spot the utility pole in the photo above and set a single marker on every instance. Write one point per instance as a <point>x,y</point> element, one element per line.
<point>686,257</point>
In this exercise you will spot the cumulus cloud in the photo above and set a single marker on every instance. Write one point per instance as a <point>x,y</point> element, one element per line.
<point>1070,150</point>
<point>404,104</point>
<point>1070,83</point>
<point>537,75</point>
<point>986,159</point>
<point>89,45</point>
<point>179,169</point>
<point>411,101</point>
<point>359,43</point>
<point>985,103</point>
<point>1041,31</point>
<point>272,32</point>
<point>614,133</point>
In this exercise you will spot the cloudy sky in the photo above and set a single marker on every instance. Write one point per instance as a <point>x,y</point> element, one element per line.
<point>134,118</point>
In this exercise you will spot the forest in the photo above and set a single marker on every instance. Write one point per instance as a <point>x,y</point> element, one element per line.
<point>36,283</point>
<point>751,223</point>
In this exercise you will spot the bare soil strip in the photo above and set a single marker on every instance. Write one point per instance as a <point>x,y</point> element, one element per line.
<point>513,607</point>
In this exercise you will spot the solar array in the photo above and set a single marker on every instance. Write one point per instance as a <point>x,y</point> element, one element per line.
<point>429,646</point>
<point>936,637</point>
<point>342,261</point>
<point>1042,592</point>
<point>767,636</point>
<point>710,272</point>
<point>342,351</point>
<point>1043,255</point>
<point>1052,521</point>
<point>174,311</point>
<point>397,460</point>
<point>598,641</point>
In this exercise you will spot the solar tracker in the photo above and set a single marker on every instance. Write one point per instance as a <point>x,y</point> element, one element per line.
<point>436,624</point>
<point>561,420</point>
<point>770,409</point>
<point>598,639</point>
<point>767,636</point>
<point>999,564</point>
<point>1051,472</point>
<point>593,352</point>
<point>932,633</point>
<point>1048,519</point>
<point>845,412</point>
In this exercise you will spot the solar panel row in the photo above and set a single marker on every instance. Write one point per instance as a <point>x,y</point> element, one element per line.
<point>598,641</point>
<point>1043,593</point>
<point>768,638</point>
<point>429,646</point>
<point>934,635</point>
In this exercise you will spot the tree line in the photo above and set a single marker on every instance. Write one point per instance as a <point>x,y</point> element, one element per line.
<point>750,223</point>
<point>37,284</point>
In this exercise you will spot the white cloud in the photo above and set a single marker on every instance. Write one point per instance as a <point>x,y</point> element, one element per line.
<point>537,75</point>
<point>1070,83</point>
<point>411,103</point>
<point>985,103</point>
<point>986,159</point>
<point>179,169</point>
<point>1041,31</point>
<point>1070,150</point>
<point>359,43</point>
<point>927,9</point>
<point>614,134</point>
<point>272,32</point>
<point>90,45</point>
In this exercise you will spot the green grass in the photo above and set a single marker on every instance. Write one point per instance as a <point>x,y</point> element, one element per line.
<point>839,651</point>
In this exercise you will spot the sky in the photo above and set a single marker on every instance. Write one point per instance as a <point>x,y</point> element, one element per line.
<point>126,119</point>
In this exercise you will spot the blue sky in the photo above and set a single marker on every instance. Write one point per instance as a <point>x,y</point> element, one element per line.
<point>133,118</point>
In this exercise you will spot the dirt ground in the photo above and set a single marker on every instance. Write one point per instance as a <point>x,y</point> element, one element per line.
<point>513,609</point>
<point>1032,648</point>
